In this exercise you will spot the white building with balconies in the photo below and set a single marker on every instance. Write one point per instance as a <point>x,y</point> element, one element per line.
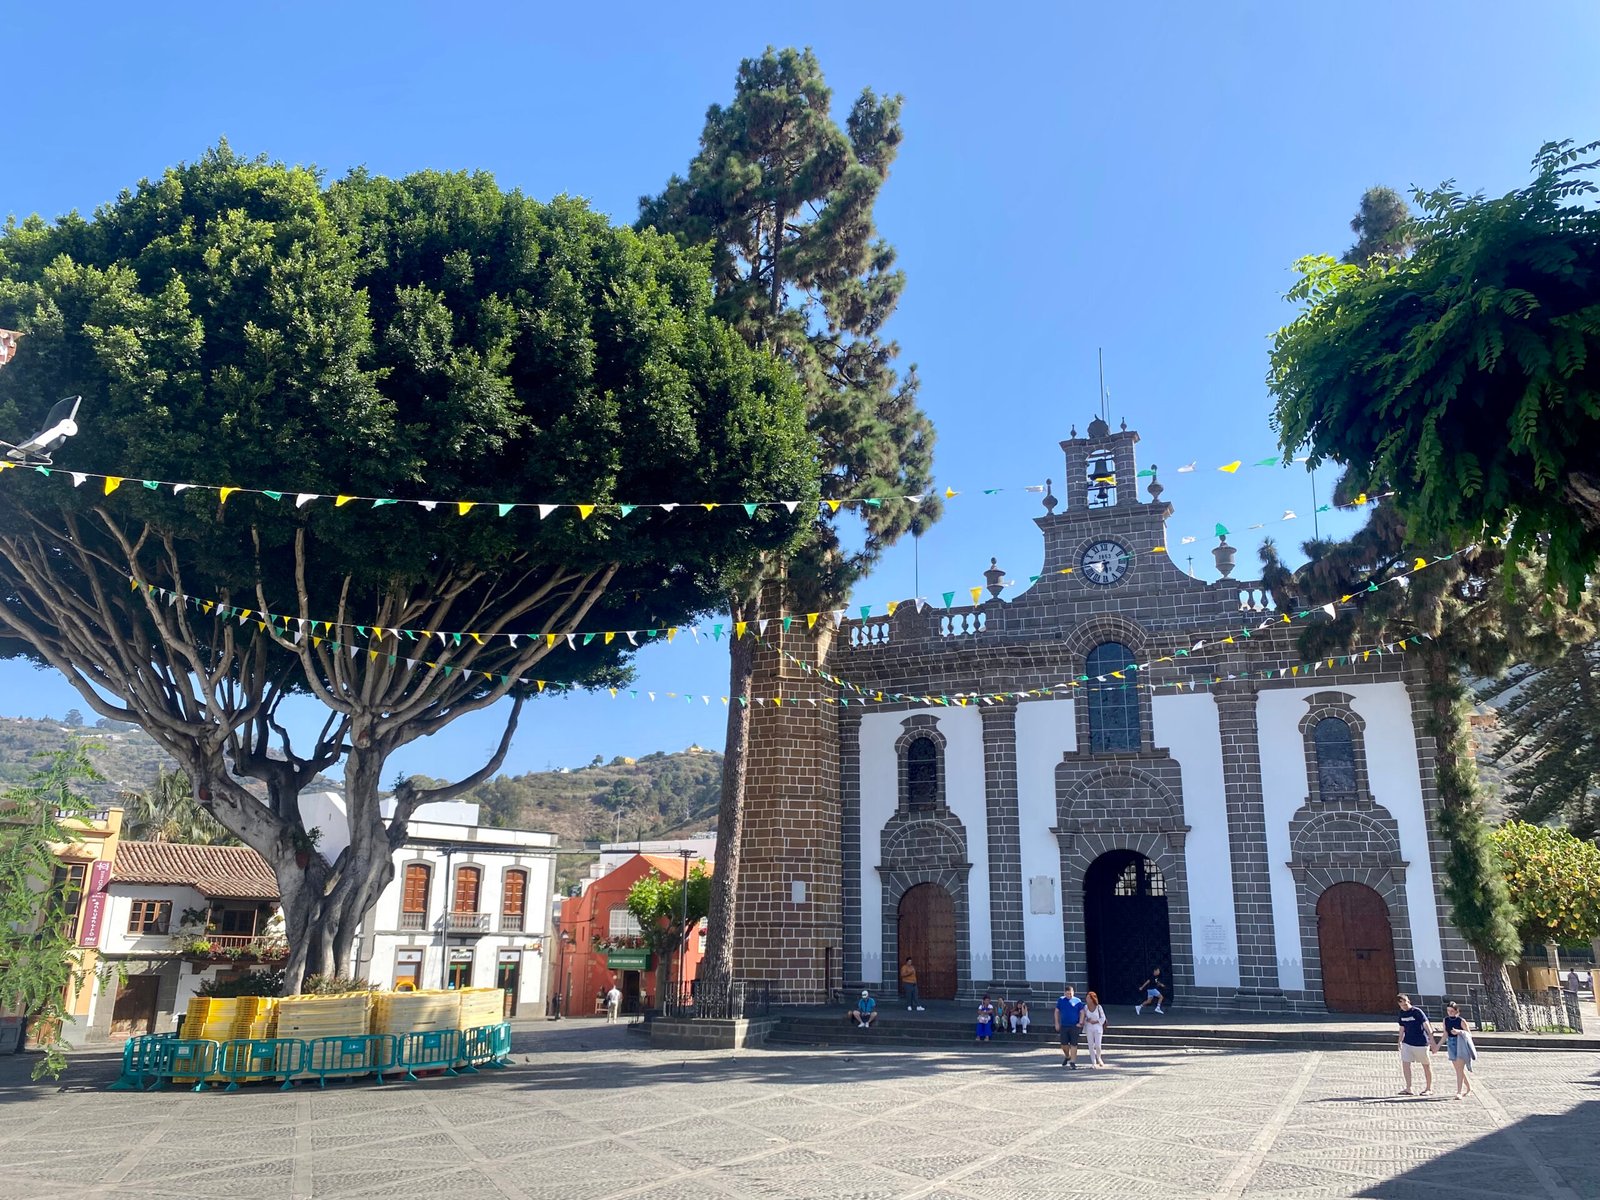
<point>469,906</point>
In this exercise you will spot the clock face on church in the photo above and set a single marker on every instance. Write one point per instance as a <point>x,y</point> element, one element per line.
<point>1104,563</point>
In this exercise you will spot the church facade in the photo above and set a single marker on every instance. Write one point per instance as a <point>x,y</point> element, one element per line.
<point>1267,840</point>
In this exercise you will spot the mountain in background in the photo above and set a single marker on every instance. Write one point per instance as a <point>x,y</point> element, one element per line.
<point>123,753</point>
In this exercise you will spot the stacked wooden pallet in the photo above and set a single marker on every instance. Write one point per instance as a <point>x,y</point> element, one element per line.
<point>416,1012</point>
<point>309,1017</point>
<point>481,1006</point>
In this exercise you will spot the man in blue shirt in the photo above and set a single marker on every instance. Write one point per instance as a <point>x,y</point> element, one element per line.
<point>1069,1021</point>
<point>865,1011</point>
<point>1416,1044</point>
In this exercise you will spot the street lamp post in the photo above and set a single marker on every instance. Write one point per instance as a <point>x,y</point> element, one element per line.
<point>683,921</point>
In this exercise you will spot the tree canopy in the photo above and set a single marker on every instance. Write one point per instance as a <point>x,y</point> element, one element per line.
<point>1554,880</point>
<point>1466,374</point>
<point>432,338</point>
<point>1550,743</point>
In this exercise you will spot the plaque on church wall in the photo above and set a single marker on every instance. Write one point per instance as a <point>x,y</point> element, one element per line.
<point>1042,894</point>
<point>1214,939</point>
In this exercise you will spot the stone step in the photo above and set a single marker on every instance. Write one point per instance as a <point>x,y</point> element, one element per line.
<point>831,1031</point>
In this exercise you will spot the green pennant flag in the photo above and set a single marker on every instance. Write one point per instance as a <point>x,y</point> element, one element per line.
<point>787,621</point>
<point>45,471</point>
<point>1325,508</point>
<point>457,638</point>
<point>1268,462</point>
<point>627,508</point>
<point>1372,587</point>
<point>749,509</point>
<point>866,611</point>
<point>447,669</point>
<point>1033,579</point>
<point>392,660</point>
<point>1147,473</point>
<point>362,630</point>
<point>503,509</point>
<point>272,495</point>
<point>650,633</point>
<point>152,484</point>
<point>873,502</point>
<point>381,503</point>
<point>589,637</point>
<point>1222,530</point>
<point>948,597</point>
<point>990,491</point>
<point>716,633</point>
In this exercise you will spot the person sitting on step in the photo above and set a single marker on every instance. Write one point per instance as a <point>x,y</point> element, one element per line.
<point>866,1010</point>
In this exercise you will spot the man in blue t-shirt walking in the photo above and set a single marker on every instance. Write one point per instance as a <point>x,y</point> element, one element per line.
<point>1069,1021</point>
<point>1416,1044</point>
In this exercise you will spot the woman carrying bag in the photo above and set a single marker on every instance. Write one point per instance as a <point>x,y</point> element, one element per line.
<point>1458,1035</point>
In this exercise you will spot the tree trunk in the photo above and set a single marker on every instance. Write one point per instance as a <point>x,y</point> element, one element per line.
<point>717,965</point>
<point>1460,817</point>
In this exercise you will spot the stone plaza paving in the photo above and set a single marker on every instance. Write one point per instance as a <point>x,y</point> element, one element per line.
<point>590,1111</point>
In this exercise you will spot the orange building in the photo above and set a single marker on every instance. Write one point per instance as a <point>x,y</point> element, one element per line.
<point>600,941</point>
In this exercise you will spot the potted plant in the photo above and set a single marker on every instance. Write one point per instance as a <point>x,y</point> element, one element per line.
<point>305,841</point>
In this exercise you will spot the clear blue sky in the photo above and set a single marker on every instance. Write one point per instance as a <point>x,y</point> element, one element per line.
<point>1072,177</point>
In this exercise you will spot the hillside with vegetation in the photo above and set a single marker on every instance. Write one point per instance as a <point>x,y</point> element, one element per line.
<point>123,754</point>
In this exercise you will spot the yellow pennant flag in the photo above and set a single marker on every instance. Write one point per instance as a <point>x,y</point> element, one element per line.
<point>1361,499</point>
<point>377,634</point>
<point>341,501</point>
<point>549,640</point>
<point>477,637</point>
<point>708,506</point>
<point>540,682</point>
<point>950,493</point>
<point>1230,468</point>
<point>372,654</point>
<point>811,620</point>
<point>584,510</point>
<point>463,507</point>
<point>891,606</point>
<point>1419,564</point>
<point>833,505</point>
<point>613,692</point>
<point>316,641</point>
<point>739,628</point>
<point>113,482</point>
<point>1228,640</point>
<point>1158,549</point>
<point>224,493</point>
<point>976,592</point>
<point>778,700</point>
<point>672,632</point>
<point>1118,675</point>
<point>610,634</point>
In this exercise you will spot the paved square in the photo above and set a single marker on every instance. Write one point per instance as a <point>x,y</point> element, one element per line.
<point>590,1112</point>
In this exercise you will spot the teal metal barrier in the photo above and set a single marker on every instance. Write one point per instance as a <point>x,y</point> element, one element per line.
<point>430,1050</point>
<point>138,1058</point>
<point>256,1059</point>
<point>348,1057</point>
<point>485,1046</point>
<point>177,1058</point>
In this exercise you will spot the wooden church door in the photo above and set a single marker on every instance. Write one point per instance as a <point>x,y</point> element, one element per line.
<point>1356,944</point>
<point>928,938</point>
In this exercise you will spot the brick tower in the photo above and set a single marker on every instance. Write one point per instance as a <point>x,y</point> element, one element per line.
<point>788,927</point>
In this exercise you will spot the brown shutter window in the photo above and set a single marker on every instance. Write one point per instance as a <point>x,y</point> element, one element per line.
<point>415,897</point>
<point>516,886</point>
<point>467,889</point>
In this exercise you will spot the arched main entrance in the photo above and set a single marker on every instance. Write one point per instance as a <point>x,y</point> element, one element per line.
<point>1125,927</point>
<point>1356,945</point>
<point>928,937</point>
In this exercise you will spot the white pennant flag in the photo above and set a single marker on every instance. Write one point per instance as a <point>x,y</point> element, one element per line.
<point>572,643</point>
<point>920,603</point>
<point>632,641</point>
<point>652,695</point>
<point>838,617</point>
<point>761,625</point>
<point>78,478</point>
<point>1330,610</point>
<point>430,505</point>
<point>668,507</point>
<point>304,498</point>
<point>512,638</point>
<point>694,632</point>
<point>1185,541</point>
<point>545,510</point>
<point>1288,515</point>
<point>791,505</point>
<point>179,488</point>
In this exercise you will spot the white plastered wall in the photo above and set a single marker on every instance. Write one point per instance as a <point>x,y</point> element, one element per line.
<point>962,729</point>
<point>1045,731</point>
<point>1188,727</point>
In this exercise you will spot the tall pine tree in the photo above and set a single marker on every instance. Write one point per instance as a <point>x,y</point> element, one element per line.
<point>1550,744</point>
<point>784,196</point>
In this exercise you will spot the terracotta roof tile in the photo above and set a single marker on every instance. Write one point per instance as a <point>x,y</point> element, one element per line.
<point>672,866</point>
<point>223,872</point>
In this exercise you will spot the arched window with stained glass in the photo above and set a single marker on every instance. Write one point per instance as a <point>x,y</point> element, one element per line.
<point>1336,759</point>
<point>922,775</point>
<point>1113,702</point>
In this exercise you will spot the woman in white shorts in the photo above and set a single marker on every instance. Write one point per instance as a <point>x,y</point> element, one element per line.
<point>1019,1017</point>
<point>1094,1020</point>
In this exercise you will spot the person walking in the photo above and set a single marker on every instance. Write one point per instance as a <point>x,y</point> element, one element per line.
<point>1069,1023</point>
<point>985,1020</point>
<point>1094,1024</point>
<point>1154,990</point>
<point>1416,1045</point>
<point>1458,1039</point>
<point>613,1003</point>
<point>908,985</point>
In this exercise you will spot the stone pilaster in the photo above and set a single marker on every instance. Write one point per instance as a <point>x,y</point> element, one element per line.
<point>1247,846</point>
<point>850,844</point>
<point>1005,849</point>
